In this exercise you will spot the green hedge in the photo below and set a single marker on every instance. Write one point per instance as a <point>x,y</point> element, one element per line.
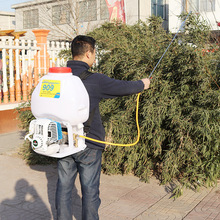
<point>179,114</point>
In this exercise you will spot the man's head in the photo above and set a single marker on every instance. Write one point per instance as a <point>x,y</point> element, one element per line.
<point>83,49</point>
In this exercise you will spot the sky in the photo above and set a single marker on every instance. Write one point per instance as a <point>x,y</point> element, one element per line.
<point>5,5</point>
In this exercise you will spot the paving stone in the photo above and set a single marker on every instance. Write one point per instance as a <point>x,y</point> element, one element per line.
<point>168,208</point>
<point>10,142</point>
<point>208,208</point>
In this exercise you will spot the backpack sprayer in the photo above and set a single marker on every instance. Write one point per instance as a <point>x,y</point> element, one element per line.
<point>61,100</point>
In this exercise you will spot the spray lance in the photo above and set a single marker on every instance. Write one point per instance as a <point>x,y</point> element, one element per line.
<point>61,100</point>
<point>169,44</point>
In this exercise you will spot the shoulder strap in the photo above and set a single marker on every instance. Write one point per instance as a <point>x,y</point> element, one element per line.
<point>84,75</point>
<point>88,123</point>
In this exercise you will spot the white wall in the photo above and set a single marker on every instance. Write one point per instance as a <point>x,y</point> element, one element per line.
<point>176,7</point>
<point>133,12</point>
<point>212,17</point>
<point>7,20</point>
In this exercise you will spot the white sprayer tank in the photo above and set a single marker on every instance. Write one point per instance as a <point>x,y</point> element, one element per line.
<point>61,96</point>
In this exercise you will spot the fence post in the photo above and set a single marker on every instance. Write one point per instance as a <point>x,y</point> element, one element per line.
<point>42,61</point>
<point>4,69</point>
<point>30,78</point>
<point>17,70</point>
<point>23,72</point>
<point>11,72</point>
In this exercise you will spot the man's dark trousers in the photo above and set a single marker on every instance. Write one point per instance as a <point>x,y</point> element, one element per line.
<point>88,164</point>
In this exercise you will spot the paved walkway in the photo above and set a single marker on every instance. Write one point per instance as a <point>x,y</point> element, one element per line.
<point>28,192</point>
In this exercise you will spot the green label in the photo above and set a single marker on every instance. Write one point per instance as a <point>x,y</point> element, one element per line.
<point>35,143</point>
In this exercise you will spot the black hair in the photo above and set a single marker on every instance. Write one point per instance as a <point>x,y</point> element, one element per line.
<point>81,44</point>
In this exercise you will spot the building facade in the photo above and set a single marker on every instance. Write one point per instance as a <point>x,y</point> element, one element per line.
<point>67,18</point>
<point>64,18</point>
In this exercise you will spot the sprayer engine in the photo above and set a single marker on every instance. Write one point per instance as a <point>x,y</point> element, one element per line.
<point>45,133</point>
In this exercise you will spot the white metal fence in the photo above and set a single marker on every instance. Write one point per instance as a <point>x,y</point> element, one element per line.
<point>22,63</point>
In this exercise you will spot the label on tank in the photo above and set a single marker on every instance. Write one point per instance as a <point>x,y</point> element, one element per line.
<point>50,89</point>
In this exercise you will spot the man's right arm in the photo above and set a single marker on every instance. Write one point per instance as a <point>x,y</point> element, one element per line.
<point>111,88</point>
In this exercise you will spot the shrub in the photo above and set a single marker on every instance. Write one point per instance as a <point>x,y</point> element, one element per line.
<point>179,114</point>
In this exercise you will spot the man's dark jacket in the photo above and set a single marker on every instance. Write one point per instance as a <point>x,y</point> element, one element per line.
<point>100,86</point>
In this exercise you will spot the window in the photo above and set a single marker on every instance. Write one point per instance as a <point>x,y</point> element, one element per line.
<point>87,10</point>
<point>31,19</point>
<point>202,5</point>
<point>61,14</point>
<point>157,8</point>
<point>104,13</point>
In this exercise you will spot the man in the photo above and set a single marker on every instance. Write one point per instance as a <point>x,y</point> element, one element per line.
<point>88,162</point>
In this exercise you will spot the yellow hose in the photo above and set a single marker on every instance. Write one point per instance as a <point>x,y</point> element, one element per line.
<point>121,145</point>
